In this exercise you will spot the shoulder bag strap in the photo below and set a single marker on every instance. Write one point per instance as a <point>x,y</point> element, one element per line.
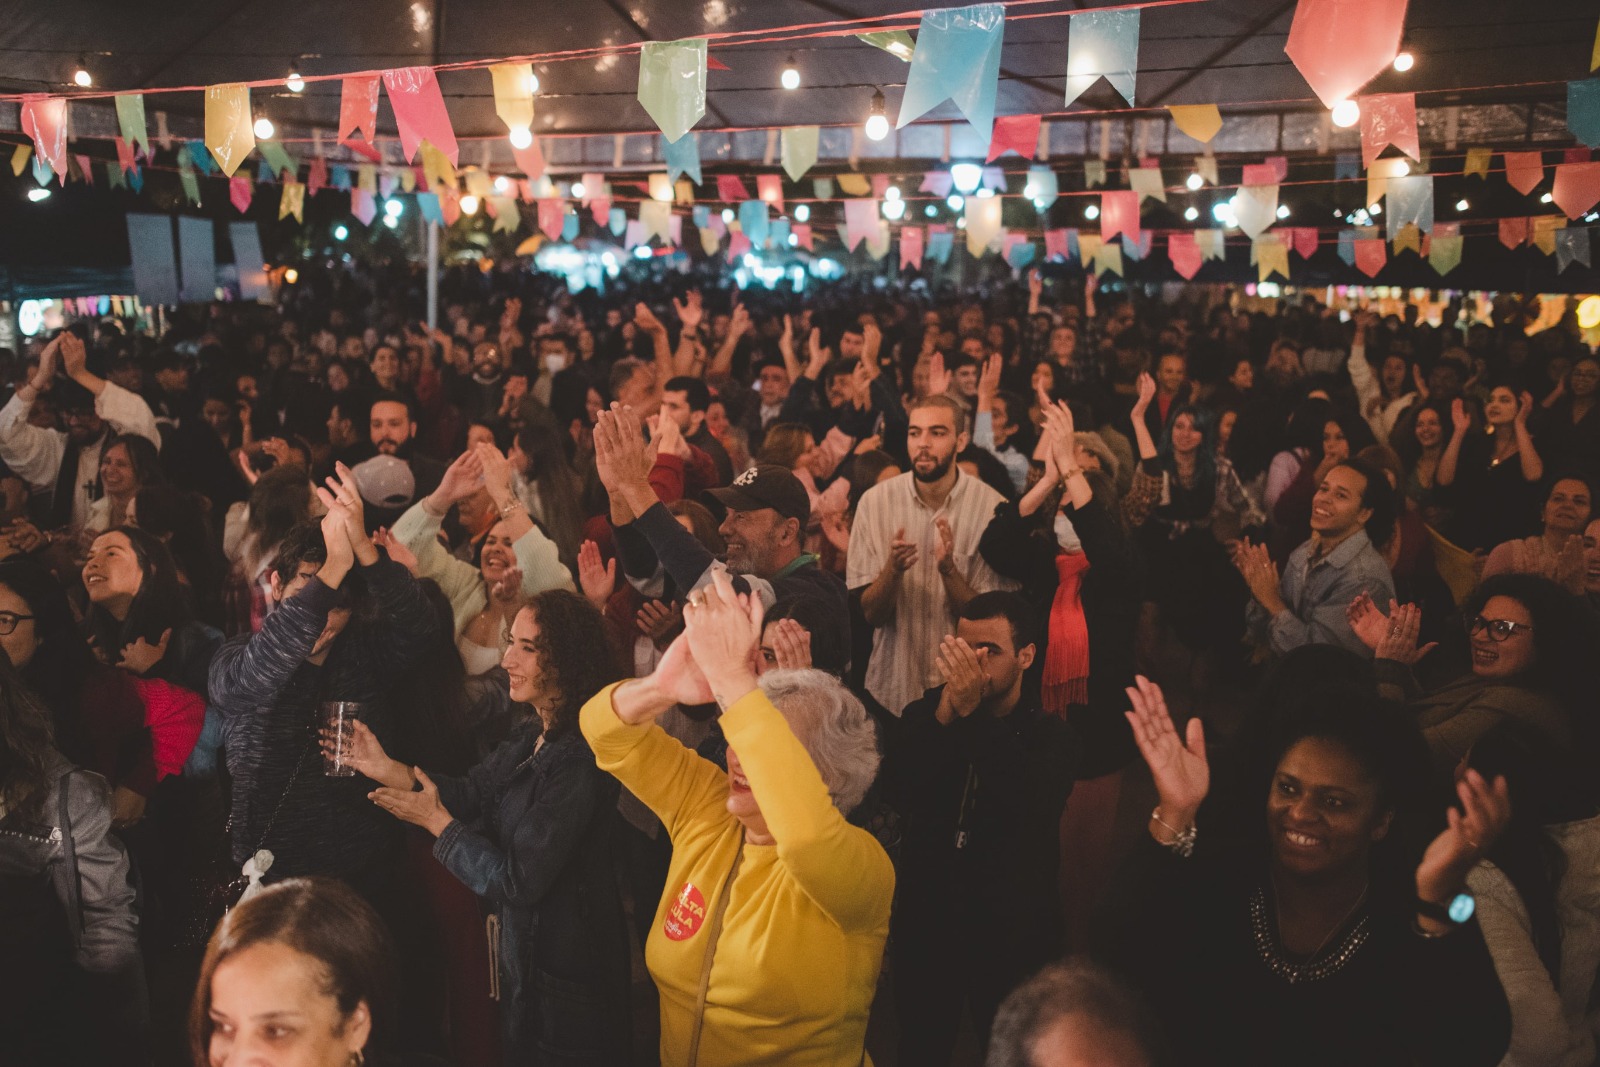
<point>713,932</point>
<point>70,851</point>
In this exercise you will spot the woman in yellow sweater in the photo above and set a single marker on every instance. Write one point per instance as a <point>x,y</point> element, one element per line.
<point>767,943</point>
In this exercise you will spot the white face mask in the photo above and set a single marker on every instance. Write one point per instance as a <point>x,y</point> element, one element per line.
<point>555,364</point>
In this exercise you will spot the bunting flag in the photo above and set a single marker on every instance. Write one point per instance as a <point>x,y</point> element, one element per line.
<point>1255,208</point>
<point>1019,251</point>
<point>552,212</point>
<point>802,235</point>
<point>1576,188</point>
<point>1524,170</point>
<point>44,120</point>
<point>878,240</point>
<point>1094,173</point>
<point>363,205</point>
<point>1477,162</point>
<point>1211,244</point>
<point>1055,244</point>
<point>1014,133</point>
<point>317,178</point>
<point>1575,155</point>
<point>778,233</point>
<point>1206,167</point>
<point>293,201</point>
<point>1347,247</point>
<point>513,96</point>
<point>738,245</point>
<point>1102,44</point>
<point>125,157</point>
<point>419,111</point>
<point>272,152</point>
<point>530,160</point>
<point>880,186</point>
<point>600,210</point>
<point>358,107</point>
<point>130,121</point>
<point>731,188</point>
<point>656,218</point>
<point>1146,181</point>
<point>1259,174</point>
<point>983,223</point>
<point>201,157</point>
<point>769,189</point>
<point>1410,201</point>
<point>428,205</point>
<point>1389,119</point>
<point>1271,256</point>
<point>897,43</point>
<point>1184,253</point>
<point>1303,239</point>
<point>1444,253</point>
<point>753,219</point>
<point>1134,249</point>
<point>937,182</point>
<point>682,157</point>
<point>569,226</point>
<point>85,167</point>
<point>19,159</point>
<point>1371,255</point>
<point>1378,176</point>
<point>240,191</point>
<point>1409,238</point>
<point>1514,232</point>
<point>683,192</point>
<point>1340,45</point>
<point>1088,247</point>
<point>911,247</point>
<point>186,176</point>
<point>1108,259</point>
<point>822,188</point>
<point>1543,232</point>
<point>1199,122</point>
<point>229,132</point>
<point>799,150</point>
<point>436,167</point>
<point>860,218</point>
<point>994,178</point>
<point>855,184</point>
<point>1583,111</point>
<point>957,59</point>
<point>1119,213</point>
<point>507,217</point>
<point>1572,246</point>
<point>1346,165</point>
<point>1043,188</point>
<point>672,84</point>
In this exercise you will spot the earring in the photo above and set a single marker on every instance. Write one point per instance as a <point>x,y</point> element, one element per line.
<point>357,1058</point>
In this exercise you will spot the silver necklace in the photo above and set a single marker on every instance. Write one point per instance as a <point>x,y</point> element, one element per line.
<point>1317,966</point>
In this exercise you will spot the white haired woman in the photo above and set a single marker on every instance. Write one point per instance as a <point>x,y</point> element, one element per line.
<point>766,945</point>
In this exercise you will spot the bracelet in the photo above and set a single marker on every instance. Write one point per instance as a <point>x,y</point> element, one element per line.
<point>1182,840</point>
<point>510,507</point>
<point>1070,473</point>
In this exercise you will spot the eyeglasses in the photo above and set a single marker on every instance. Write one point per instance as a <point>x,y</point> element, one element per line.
<point>1499,629</point>
<point>8,622</point>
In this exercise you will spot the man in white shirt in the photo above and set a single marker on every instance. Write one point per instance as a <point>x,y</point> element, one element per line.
<point>68,463</point>
<point>914,554</point>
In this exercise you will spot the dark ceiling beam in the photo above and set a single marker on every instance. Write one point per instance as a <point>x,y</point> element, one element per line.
<point>1221,53</point>
<point>645,35</point>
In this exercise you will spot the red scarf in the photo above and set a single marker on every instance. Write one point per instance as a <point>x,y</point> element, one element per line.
<point>1066,657</point>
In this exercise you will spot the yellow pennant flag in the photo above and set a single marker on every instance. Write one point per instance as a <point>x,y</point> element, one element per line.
<point>1108,258</point>
<point>1378,176</point>
<point>293,201</point>
<point>1088,246</point>
<point>709,241</point>
<point>878,242</point>
<point>436,166</point>
<point>479,184</point>
<point>1272,257</point>
<point>661,188</point>
<point>19,159</point>
<point>1544,232</point>
<point>656,217</point>
<point>513,94</point>
<point>229,128</point>
<point>1594,55</point>
<point>367,178</point>
<point>683,191</point>
<point>506,216</point>
<point>855,184</point>
<point>1200,121</point>
<point>1206,167</point>
<point>408,180</point>
<point>1445,255</point>
<point>1146,181</point>
<point>1408,237</point>
<point>1478,162</point>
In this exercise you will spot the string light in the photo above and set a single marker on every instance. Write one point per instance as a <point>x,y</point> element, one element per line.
<point>790,77</point>
<point>80,74</point>
<point>1283,211</point>
<point>340,232</point>
<point>727,214</point>
<point>521,137</point>
<point>291,276</point>
<point>1091,212</point>
<point>294,83</point>
<point>502,185</point>
<point>877,127</point>
<point>533,82</point>
<point>802,212</point>
<point>263,128</point>
<point>38,194</point>
<point>965,177</point>
<point>1191,213</point>
<point>894,209</point>
<point>579,190</point>
<point>1462,204</point>
<point>930,211</point>
<point>1194,181</point>
<point>1546,198</point>
<point>1346,113</point>
<point>393,207</point>
<point>955,202</point>
<point>469,205</point>
<point>1404,60</point>
<point>892,193</point>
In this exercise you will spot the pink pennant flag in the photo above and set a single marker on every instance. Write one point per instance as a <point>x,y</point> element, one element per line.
<point>126,154</point>
<point>241,190</point>
<point>802,234</point>
<point>363,205</point>
<point>1388,119</point>
<point>1524,170</point>
<point>1575,155</point>
<point>880,186</point>
<point>1513,232</point>
<point>713,63</point>
<point>1184,251</point>
<point>86,168</point>
<point>1340,45</point>
<point>1259,174</point>
<point>419,111</point>
<point>525,191</point>
<point>317,179</point>
<point>358,108</point>
<point>1371,254</point>
<point>633,234</point>
<point>600,209</point>
<point>552,216</point>
<point>1055,244</point>
<point>1014,133</point>
<point>769,187</point>
<point>1119,213</point>
<point>732,189</point>
<point>530,160</point>
<point>937,182</point>
<point>738,245</point>
<point>911,247</point>
<point>860,221</point>
<point>44,118</point>
<point>489,207</point>
<point>1577,187</point>
<point>1280,169</point>
<point>364,150</point>
<point>1304,240</point>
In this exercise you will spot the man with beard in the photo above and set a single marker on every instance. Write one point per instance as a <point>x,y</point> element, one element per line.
<point>477,390</point>
<point>914,554</point>
<point>69,463</point>
<point>392,430</point>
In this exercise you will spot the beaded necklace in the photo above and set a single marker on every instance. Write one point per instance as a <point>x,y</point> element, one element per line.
<point>1314,968</point>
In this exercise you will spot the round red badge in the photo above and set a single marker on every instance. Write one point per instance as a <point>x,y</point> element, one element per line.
<point>686,914</point>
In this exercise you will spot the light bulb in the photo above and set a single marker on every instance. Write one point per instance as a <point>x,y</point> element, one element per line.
<point>1194,181</point>
<point>80,75</point>
<point>1545,199</point>
<point>578,190</point>
<point>1283,211</point>
<point>1223,212</point>
<point>1404,61</point>
<point>469,205</point>
<point>1374,209</point>
<point>263,128</point>
<point>393,207</point>
<point>894,209</point>
<point>790,77</point>
<point>984,193</point>
<point>291,275</point>
<point>802,212</point>
<point>391,221</point>
<point>340,232</point>
<point>38,194</point>
<point>1191,213</point>
<point>966,177</point>
<point>521,137</point>
<point>1346,113</point>
<point>1401,168</point>
<point>727,214</point>
<point>955,201</point>
<point>877,127</point>
<point>892,193</point>
<point>1462,204</point>
<point>930,211</point>
<point>533,82</point>
<point>1091,212</point>
<point>294,83</point>
<point>502,185</point>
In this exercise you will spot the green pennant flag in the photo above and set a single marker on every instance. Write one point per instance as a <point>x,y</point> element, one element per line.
<point>130,120</point>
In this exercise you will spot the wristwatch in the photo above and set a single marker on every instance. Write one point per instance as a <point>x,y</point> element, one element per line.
<point>1457,912</point>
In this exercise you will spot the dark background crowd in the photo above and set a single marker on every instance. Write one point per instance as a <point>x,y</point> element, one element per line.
<point>1011,563</point>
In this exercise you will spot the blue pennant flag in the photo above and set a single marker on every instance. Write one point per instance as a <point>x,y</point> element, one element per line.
<point>1101,44</point>
<point>428,205</point>
<point>753,221</point>
<point>939,246</point>
<point>701,214</point>
<point>1583,110</point>
<point>200,155</point>
<point>1347,165</point>
<point>683,157</point>
<point>1410,200</point>
<point>619,222</point>
<point>339,178</point>
<point>569,226</point>
<point>957,59</point>
<point>1347,247</point>
<point>1572,246</point>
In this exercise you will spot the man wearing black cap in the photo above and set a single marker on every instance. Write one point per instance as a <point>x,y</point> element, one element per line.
<point>767,506</point>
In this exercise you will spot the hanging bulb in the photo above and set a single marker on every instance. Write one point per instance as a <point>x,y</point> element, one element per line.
<point>1191,213</point>
<point>521,137</point>
<point>291,276</point>
<point>1462,204</point>
<point>1283,211</point>
<point>1091,212</point>
<point>294,83</point>
<point>1346,113</point>
<point>802,212</point>
<point>263,128</point>
<point>790,77</point>
<point>1404,60</point>
<point>393,207</point>
<point>533,82</point>
<point>894,209</point>
<point>892,193</point>
<point>579,190</point>
<point>1194,181</point>
<point>955,201</point>
<point>965,177</point>
<point>877,127</point>
<point>469,205</point>
<point>80,74</point>
<point>340,232</point>
<point>931,211</point>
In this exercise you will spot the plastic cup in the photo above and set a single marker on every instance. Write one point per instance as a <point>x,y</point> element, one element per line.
<point>337,715</point>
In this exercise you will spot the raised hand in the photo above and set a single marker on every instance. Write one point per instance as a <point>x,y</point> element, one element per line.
<point>627,457</point>
<point>817,356</point>
<point>1420,382</point>
<point>74,358</point>
<point>598,579</point>
<point>1147,393</point>
<point>461,479</point>
<point>691,310</point>
<point>944,545</point>
<point>496,471</point>
<point>343,489</point>
<point>1524,408</point>
<point>724,629</point>
<point>1062,432</point>
<point>1459,418</point>
<point>506,594</point>
<point>141,655</point>
<point>397,549</point>
<point>1178,764</point>
<point>417,807</point>
<point>658,620</point>
<point>1398,640</point>
<point>869,351</point>
<point>678,677</point>
<point>739,322</point>
<point>1366,621</point>
<point>989,380</point>
<point>939,376</point>
<point>1470,832</point>
<point>669,438</point>
<point>646,320</point>
<point>363,753</point>
<point>836,528</point>
<point>965,683</point>
<point>902,553</point>
<point>791,645</point>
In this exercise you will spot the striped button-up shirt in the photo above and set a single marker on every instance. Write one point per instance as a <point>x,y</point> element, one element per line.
<point>902,666</point>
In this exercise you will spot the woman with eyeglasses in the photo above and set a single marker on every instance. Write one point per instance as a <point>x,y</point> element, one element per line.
<point>1530,641</point>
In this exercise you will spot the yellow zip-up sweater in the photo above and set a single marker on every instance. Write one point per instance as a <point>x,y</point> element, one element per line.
<point>802,940</point>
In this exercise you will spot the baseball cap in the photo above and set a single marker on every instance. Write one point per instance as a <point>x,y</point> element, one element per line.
<point>385,481</point>
<point>767,485</point>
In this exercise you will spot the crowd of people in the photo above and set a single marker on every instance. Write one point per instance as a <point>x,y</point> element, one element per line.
<point>678,674</point>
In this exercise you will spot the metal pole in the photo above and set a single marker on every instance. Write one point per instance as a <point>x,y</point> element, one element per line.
<point>433,275</point>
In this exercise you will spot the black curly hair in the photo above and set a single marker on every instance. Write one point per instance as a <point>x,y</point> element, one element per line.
<point>575,654</point>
